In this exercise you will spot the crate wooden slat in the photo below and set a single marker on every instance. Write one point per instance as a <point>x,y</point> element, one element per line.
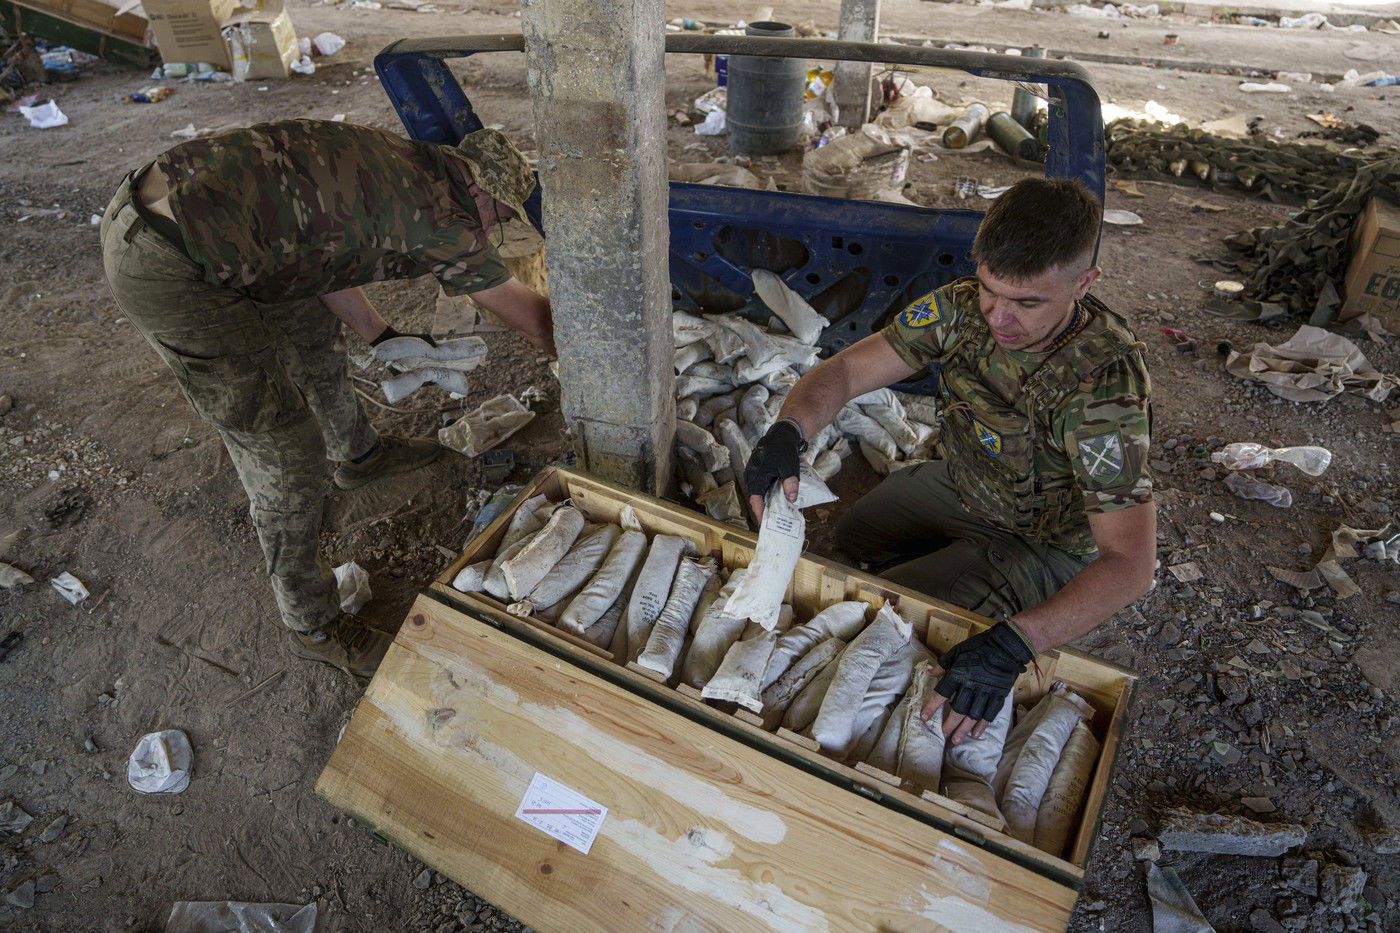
<point>702,832</point>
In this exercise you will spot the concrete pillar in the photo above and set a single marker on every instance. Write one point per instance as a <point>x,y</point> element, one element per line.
<point>860,22</point>
<point>596,75</point>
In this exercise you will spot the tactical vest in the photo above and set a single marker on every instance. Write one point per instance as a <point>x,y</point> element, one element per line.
<point>991,446</point>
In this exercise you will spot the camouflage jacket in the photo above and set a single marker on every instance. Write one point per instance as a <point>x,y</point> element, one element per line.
<point>299,208</point>
<point>1034,441</point>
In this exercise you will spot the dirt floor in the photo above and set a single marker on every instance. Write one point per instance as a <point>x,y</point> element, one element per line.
<point>1249,690</point>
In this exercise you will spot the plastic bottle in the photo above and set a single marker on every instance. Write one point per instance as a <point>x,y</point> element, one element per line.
<point>1250,456</point>
<point>1247,487</point>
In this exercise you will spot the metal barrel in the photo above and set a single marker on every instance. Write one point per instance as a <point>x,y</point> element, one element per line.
<point>966,127</point>
<point>765,97</point>
<point>1013,138</point>
<point>1023,104</point>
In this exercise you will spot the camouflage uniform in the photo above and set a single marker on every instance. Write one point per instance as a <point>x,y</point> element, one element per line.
<point>1032,443</point>
<point>269,218</point>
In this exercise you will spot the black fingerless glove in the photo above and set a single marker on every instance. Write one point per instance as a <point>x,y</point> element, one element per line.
<point>774,458</point>
<point>981,670</point>
<point>389,334</point>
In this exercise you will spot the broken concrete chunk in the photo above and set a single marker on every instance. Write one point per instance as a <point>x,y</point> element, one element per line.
<point>1340,886</point>
<point>1384,841</point>
<point>1146,850</point>
<point>1222,834</point>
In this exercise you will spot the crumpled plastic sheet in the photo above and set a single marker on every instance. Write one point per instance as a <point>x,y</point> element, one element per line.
<point>1314,365</point>
<point>1173,908</point>
<point>352,587</point>
<point>160,763</point>
<point>237,917</point>
<point>486,426</point>
<point>1381,544</point>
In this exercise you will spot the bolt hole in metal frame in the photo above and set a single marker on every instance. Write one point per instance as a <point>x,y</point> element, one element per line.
<point>857,262</point>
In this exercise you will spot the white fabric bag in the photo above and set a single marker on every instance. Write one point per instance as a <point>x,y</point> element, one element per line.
<point>652,588</point>
<point>970,766</point>
<point>525,569</point>
<point>663,645</point>
<point>572,571</point>
<point>835,728</point>
<point>841,620</point>
<point>910,748</point>
<point>804,322</point>
<point>612,577</point>
<point>803,709</point>
<point>778,696</point>
<point>1063,797</point>
<point>780,539</point>
<point>1030,776</point>
<point>714,633</point>
<point>890,682</point>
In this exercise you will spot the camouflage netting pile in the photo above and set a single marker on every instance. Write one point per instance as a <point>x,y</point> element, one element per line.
<point>1293,268</point>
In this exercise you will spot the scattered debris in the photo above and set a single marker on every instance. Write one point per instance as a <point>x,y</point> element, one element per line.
<point>11,577</point>
<point>55,829</point>
<point>44,116</point>
<point>204,916</point>
<point>1173,909</point>
<point>486,426</point>
<point>1188,572</point>
<point>70,587</point>
<point>1247,487</point>
<point>160,763</point>
<point>352,587</point>
<point>1250,456</point>
<point>150,95</point>
<point>1121,218</point>
<point>13,819</point>
<point>1311,366</point>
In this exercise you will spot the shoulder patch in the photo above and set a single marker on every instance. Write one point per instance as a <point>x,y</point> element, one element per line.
<point>989,439</point>
<point>923,312</point>
<point>1102,456</point>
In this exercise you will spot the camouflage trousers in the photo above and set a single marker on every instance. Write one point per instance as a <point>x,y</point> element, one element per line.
<point>913,530</point>
<point>267,376</point>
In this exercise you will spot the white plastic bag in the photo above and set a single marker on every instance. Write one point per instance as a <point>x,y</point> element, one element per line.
<point>160,763</point>
<point>835,725</point>
<point>238,917</point>
<point>652,588</point>
<point>667,638</point>
<point>804,322</point>
<point>1247,487</point>
<point>44,116</point>
<point>352,587</point>
<point>70,587</point>
<point>328,43</point>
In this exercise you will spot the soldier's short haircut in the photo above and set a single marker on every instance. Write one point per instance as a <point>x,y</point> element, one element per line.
<point>1037,225</point>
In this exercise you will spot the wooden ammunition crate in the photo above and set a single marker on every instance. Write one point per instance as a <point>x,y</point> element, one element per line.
<point>713,821</point>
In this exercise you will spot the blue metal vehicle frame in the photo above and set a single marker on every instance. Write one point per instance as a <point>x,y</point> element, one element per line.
<point>856,262</point>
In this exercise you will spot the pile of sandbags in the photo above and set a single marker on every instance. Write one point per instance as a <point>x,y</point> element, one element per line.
<point>732,379</point>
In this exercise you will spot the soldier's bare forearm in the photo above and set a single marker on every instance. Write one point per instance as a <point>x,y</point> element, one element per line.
<point>355,309</point>
<point>863,367</point>
<point>1122,572</point>
<point>521,308</point>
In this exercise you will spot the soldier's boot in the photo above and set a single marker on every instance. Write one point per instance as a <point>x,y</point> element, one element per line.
<point>349,645</point>
<point>392,455</point>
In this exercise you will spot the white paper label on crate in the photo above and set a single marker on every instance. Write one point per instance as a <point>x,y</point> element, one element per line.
<point>561,812</point>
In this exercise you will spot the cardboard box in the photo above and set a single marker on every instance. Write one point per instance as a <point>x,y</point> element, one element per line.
<point>261,42</point>
<point>189,30</point>
<point>1373,278</point>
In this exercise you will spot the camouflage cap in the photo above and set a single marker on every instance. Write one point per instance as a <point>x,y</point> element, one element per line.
<point>498,167</point>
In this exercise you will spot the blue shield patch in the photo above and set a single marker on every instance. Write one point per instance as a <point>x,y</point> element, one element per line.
<point>923,312</point>
<point>989,439</point>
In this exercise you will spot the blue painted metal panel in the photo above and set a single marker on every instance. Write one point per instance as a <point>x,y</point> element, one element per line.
<point>856,262</point>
